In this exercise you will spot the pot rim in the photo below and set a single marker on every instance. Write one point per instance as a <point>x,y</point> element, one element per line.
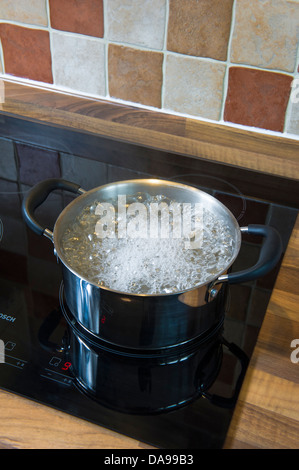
<point>146,181</point>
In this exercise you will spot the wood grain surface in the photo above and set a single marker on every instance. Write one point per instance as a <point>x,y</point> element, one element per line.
<point>271,154</point>
<point>25,424</point>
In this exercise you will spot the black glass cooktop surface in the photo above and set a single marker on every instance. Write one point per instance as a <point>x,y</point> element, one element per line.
<point>193,412</point>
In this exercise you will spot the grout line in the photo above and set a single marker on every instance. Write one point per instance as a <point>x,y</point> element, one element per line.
<point>166,25</point>
<point>287,120</point>
<point>164,53</point>
<point>106,46</point>
<point>226,76</point>
<point>51,41</point>
<point>2,58</point>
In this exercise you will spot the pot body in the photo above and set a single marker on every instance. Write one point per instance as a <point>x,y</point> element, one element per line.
<point>141,322</point>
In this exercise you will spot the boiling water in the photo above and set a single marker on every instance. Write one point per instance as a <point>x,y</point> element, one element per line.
<point>148,261</point>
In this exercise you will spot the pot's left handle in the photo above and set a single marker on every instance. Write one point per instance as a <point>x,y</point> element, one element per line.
<point>38,194</point>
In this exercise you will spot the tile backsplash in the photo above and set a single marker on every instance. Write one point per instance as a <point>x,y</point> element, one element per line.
<point>227,61</point>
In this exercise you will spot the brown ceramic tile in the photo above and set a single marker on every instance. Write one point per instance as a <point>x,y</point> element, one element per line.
<point>199,28</point>
<point>257,98</point>
<point>26,52</point>
<point>37,164</point>
<point>84,17</point>
<point>135,75</point>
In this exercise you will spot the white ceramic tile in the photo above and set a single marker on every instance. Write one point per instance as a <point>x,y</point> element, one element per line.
<point>25,11</point>
<point>139,22</point>
<point>293,117</point>
<point>193,86</point>
<point>78,63</point>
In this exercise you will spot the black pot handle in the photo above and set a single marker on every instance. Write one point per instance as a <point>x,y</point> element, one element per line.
<point>269,256</point>
<point>230,402</point>
<point>38,194</point>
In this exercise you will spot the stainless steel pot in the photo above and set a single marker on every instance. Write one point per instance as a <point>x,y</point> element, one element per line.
<point>147,321</point>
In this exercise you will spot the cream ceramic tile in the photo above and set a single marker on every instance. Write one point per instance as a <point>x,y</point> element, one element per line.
<point>193,86</point>
<point>139,22</point>
<point>78,63</point>
<point>265,33</point>
<point>25,11</point>
<point>292,126</point>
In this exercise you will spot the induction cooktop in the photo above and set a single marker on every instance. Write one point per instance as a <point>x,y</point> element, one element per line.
<point>34,365</point>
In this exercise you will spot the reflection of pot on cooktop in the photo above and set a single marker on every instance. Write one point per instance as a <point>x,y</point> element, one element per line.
<point>156,320</point>
<point>143,382</point>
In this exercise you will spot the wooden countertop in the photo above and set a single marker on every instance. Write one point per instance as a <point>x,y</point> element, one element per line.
<point>270,154</point>
<point>267,414</point>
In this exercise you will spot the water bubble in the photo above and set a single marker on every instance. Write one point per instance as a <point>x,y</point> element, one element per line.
<point>146,265</point>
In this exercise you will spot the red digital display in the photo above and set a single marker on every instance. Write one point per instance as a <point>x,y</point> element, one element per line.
<point>66,366</point>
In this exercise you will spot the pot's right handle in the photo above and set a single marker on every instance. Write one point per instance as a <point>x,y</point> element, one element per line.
<point>38,194</point>
<point>269,256</point>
